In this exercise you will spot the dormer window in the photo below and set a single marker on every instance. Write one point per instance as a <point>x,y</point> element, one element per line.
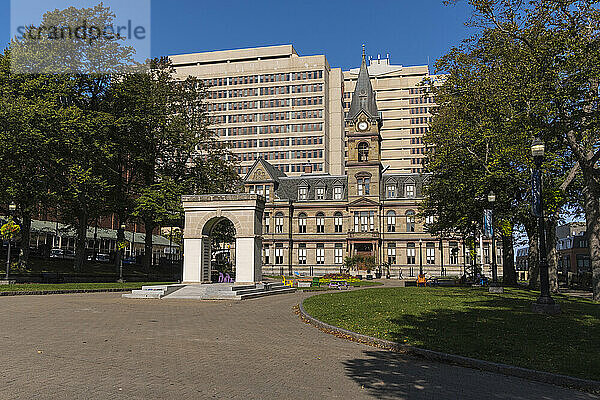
<point>391,191</point>
<point>363,152</point>
<point>338,192</point>
<point>302,193</point>
<point>320,193</point>
<point>409,190</point>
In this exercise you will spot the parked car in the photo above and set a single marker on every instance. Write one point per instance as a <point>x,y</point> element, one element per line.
<point>99,257</point>
<point>129,260</point>
<point>57,253</point>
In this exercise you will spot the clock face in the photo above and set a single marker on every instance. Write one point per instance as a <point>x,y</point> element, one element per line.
<point>362,126</point>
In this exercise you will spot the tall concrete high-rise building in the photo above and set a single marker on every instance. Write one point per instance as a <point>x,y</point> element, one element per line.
<point>404,107</point>
<point>271,103</point>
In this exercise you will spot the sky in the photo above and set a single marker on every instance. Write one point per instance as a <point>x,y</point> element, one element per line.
<point>412,32</point>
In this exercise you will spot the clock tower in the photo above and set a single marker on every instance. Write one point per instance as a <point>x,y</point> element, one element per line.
<point>364,140</point>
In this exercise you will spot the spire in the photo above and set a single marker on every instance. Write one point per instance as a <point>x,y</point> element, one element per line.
<point>363,98</point>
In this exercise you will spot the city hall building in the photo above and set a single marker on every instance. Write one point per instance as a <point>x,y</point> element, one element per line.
<point>312,221</point>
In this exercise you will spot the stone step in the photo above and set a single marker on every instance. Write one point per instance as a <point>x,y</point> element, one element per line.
<point>266,293</point>
<point>143,294</point>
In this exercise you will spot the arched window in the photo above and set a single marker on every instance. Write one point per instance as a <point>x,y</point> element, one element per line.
<point>363,152</point>
<point>410,221</point>
<point>338,222</point>
<point>391,221</point>
<point>279,222</point>
<point>302,223</point>
<point>320,222</point>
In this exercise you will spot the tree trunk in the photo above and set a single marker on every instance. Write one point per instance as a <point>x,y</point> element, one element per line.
<point>591,193</point>
<point>552,253</point>
<point>149,226</point>
<point>509,274</point>
<point>25,237</point>
<point>532,259</point>
<point>82,223</point>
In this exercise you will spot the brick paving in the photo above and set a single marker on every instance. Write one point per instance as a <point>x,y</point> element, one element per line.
<point>100,346</point>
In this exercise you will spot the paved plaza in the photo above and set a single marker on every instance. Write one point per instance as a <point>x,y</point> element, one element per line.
<point>101,346</point>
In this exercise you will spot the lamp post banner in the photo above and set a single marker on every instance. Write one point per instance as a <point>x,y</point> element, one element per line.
<point>536,193</point>
<point>488,229</point>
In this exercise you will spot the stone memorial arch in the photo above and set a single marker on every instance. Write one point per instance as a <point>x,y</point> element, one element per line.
<point>202,213</point>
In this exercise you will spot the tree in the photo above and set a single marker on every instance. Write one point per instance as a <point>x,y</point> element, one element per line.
<point>78,148</point>
<point>166,147</point>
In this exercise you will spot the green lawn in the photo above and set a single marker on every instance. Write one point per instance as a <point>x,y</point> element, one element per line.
<point>473,323</point>
<point>75,286</point>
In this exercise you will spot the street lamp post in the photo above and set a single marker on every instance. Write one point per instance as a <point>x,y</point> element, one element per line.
<point>545,303</point>
<point>11,209</point>
<point>494,287</point>
<point>121,253</point>
<point>420,257</point>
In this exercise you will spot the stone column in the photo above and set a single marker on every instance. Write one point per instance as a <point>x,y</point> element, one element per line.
<point>196,263</point>
<point>248,269</point>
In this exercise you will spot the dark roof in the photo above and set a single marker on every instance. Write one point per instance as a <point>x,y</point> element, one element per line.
<point>274,172</point>
<point>363,98</point>
<point>288,186</point>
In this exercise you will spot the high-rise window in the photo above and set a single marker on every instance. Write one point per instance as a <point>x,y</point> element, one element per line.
<point>279,222</point>
<point>302,253</point>
<point>391,221</point>
<point>278,253</point>
<point>430,248</point>
<point>320,222</point>
<point>320,253</point>
<point>410,221</point>
<point>338,222</point>
<point>391,253</point>
<point>302,223</point>
<point>410,253</point>
<point>338,253</point>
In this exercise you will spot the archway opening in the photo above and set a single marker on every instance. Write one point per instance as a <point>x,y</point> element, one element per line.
<point>222,235</point>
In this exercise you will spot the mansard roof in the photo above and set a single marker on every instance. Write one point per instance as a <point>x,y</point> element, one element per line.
<point>288,186</point>
<point>363,98</point>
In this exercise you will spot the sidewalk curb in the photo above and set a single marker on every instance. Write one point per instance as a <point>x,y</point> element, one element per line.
<point>586,385</point>
<point>66,291</point>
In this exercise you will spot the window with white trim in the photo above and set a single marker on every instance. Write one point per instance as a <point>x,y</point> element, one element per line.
<point>338,253</point>
<point>302,223</point>
<point>278,253</point>
<point>338,192</point>
<point>279,222</point>
<point>391,191</point>
<point>391,221</point>
<point>302,193</point>
<point>338,222</point>
<point>410,221</point>
<point>267,219</point>
<point>430,253</point>
<point>320,222</point>
<point>266,258</point>
<point>320,254</point>
<point>410,253</point>
<point>409,190</point>
<point>320,193</point>
<point>363,186</point>
<point>391,253</point>
<point>302,253</point>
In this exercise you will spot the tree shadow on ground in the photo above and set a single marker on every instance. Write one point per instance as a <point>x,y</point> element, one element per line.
<point>389,375</point>
<point>503,329</point>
